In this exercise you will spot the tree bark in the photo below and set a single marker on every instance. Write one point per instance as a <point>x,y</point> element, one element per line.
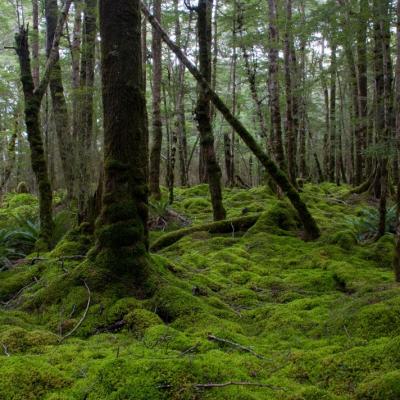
<point>35,43</point>
<point>85,138</point>
<point>273,84</point>
<point>155,155</point>
<point>33,97</point>
<point>203,110</point>
<point>291,143</point>
<point>121,231</point>
<point>396,259</point>
<point>332,116</point>
<point>59,103</point>
<point>310,225</point>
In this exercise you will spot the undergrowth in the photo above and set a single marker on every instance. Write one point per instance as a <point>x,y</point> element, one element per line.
<point>294,320</point>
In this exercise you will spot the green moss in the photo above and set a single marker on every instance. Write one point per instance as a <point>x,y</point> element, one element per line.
<point>197,205</point>
<point>345,239</point>
<point>24,378</point>
<point>280,219</point>
<point>380,387</point>
<point>139,320</point>
<point>172,302</point>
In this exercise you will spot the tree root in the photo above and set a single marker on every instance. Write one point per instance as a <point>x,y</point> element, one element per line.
<point>226,226</point>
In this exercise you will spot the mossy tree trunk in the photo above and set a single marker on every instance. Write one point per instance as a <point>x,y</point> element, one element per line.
<point>59,103</point>
<point>155,155</point>
<point>121,231</point>
<point>85,136</point>
<point>332,115</point>
<point>33,97</point>
<point>203,109</point>
<point>280,178</point>
<point>396,260</point>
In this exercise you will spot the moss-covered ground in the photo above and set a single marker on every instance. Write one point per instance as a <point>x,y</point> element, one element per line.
<point>302,320</point>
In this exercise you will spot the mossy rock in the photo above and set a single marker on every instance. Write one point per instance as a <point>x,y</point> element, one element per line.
<point>345,239</point>
<point>139,320</point>
<point>76,242</point>
<point>27,378</point>
<point>380,387</point>
<point>280,219</point>
<point>380,319</point>
<point>172,302</point>
<point>19,340</point>
<point>382,251</point>
<point>196,205</point>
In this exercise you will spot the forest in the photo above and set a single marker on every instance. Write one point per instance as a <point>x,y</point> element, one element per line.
<point>199,199</point>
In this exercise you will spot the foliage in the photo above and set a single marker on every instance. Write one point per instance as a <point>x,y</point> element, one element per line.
<point>366,223</point>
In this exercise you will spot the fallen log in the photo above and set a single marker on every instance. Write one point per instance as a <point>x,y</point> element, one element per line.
<point>226,226</point>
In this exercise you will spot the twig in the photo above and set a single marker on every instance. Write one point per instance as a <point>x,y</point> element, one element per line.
<point>225,384</point>
<point>190,349</point>
<point>83,316</point>
<point>237,345</point>
<point>6,303</point>
<point>5,350</point>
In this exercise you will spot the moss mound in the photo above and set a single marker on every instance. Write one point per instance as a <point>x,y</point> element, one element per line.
<point>289,319</point>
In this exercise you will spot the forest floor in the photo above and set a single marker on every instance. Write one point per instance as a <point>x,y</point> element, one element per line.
<point>254,315</point>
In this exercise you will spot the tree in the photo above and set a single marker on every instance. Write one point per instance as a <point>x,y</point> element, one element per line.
<point>33,98</point>
<point>59,103</point>
<point>121,231</point>
<point>203,109</point>
<point>155,155</point>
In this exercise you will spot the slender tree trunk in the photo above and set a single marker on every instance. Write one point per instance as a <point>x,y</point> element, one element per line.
<point>121,230</point>
<point>291,143</point>
<point>35,43</point>
<point>59,103</point>
<point>76,58</point>
<point>203,111</point>
<point>155,155</point>
<point>383,83</point>
<point>251,76</point>
<point>332,115</point>
<point>273,84</point>
<point>38,159</point>
<point>396,260</point>
<point>85,142</point>
<point>33,97</point>
<point>311,228</point>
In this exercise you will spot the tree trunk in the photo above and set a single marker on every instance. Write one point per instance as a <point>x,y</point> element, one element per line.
<point>311,229</point>
<point>85,142</point>
<point>38,160</point>
<point>396,259</point>
<point>11,155</point>
<point>273,84</point>
<point>332,116</point>
<point>35,43</point>
<point>59,102</point>
<point>291,143</point>
<point>155,155</point>
<point>121,231</point>
<point>203,110</point>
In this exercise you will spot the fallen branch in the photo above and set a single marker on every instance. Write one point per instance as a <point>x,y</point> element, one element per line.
<point>83,316</point>
<point>237,345</point>
<point>226,226</point>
